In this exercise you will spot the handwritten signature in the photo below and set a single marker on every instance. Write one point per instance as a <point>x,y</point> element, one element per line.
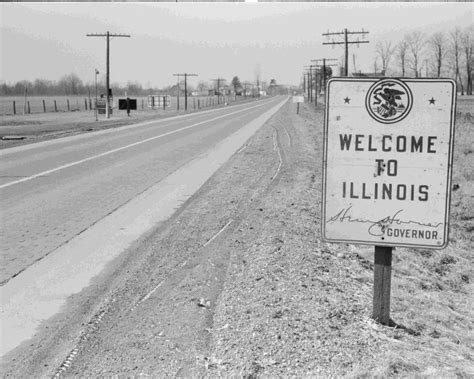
<point>378,228</point>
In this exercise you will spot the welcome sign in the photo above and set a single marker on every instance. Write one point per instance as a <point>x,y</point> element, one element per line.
<point>388,150</point>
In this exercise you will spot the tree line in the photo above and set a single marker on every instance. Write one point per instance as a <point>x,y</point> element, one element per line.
<point>72,85</point>
<point>67,85</point>
<point>442,54</point>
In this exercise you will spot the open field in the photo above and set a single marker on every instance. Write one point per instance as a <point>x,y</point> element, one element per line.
<point>11,105</point>
<point>40,126</point>
<point>80,103</point>
<point>465,104</point>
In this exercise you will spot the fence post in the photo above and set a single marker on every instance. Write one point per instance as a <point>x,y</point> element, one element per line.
<point>68,106</point>
<point>44,106</point>
<point>14,107</point>
<point>85,104</point>
<point>29,109</point>
<point>55,106</point>
<point>142,104</point>
<point>194,99</point>
<point>199,105</point>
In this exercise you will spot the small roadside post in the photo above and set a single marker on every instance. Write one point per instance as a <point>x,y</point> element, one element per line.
<point>382,284</point>
<point>387,165</point>
<point>298,100</point>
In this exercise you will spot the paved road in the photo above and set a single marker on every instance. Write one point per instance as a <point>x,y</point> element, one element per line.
<point>51,192</point>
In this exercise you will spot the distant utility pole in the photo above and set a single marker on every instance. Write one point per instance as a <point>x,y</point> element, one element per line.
<point>107,84</point>
<point>177,89</point>
<point>306,75</point>
<point>346,44</point>
<point>185,88</point>
<point>218,81</point>
<point>310,78</point>
<point>323,68</point>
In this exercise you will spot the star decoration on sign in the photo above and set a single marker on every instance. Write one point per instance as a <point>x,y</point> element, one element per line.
<point>432,101</point>
<point>347,100</point>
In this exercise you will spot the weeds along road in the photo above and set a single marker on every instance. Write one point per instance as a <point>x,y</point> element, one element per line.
<point>52,192</point>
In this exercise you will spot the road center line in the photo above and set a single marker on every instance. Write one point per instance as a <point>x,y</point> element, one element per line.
<point>47,172</point>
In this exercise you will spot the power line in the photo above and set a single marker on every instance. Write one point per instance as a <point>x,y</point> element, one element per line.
<point>108,36</point>
<point>185,88</point>
<point>218,80</point>
<point>310,80</point>
<point>324,65</point>
<point>346,44</point>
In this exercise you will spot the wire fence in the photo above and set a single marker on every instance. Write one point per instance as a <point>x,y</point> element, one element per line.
<point>46,104</point>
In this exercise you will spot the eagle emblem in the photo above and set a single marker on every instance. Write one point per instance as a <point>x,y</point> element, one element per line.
<point>389,101</point>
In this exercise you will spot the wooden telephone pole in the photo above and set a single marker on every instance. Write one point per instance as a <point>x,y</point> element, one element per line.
<point>345,33</point>
<point>323,68</point>
<point>310,84</point>
<point>185,88</point>
<point>108,35</point>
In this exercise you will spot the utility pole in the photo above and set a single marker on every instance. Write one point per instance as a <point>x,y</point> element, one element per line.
<point>218,81</point>
<point>307,84</point>
<point>345,33</point>
<point>185,88</point>
<point>96,73</point>
<point>108,35</point>
<point>323,68</point>
<point>177,89</point>
<point>310,77</point>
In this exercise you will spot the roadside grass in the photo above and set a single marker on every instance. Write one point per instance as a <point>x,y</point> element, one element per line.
<point>296,306</point>
<point>432,333</point>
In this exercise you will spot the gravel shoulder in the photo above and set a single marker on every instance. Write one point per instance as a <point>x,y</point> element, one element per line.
<point>238,282</point>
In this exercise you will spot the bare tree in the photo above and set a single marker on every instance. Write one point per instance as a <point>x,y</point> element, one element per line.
<point>202,86</point>
<point>258,72</point>
<point>438,46</point>
<point>415,41</point>
<point>384,51</point>
<point>456,51</point>
<point>401,50</point>
<point>467,40</point>
<point>375,65</point>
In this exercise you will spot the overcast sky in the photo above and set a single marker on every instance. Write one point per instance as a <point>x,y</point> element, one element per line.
<point>48,40</point>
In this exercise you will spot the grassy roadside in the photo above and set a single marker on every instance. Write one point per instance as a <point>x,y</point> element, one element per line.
<point>293,305</point>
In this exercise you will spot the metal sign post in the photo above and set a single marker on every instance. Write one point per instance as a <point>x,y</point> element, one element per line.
<point>388,150</point>
<point>298,100</point>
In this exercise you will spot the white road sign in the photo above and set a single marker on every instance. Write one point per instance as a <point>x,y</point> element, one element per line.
<point>298,99</point>
<point>388,151</point>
